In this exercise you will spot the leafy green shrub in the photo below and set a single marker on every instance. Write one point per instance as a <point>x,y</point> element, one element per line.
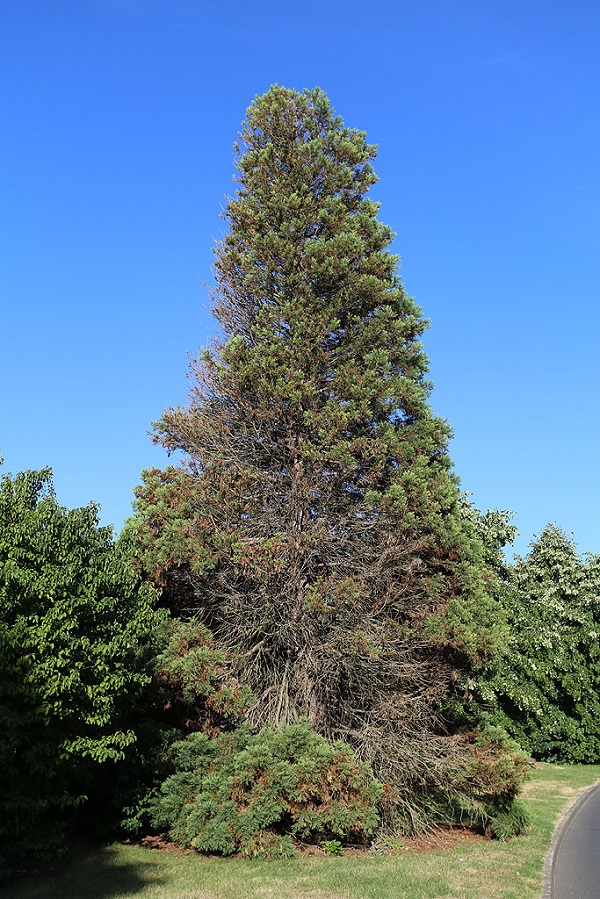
<point>250,792</point>
<point>332,847</point>
<point>75,629</point>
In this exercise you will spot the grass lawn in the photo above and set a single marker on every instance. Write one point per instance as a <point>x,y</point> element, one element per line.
<point>464,870</point>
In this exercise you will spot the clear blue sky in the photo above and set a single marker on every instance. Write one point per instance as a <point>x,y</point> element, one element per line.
<point>118,118</point>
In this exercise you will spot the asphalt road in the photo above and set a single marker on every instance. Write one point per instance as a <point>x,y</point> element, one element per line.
<point>576,862</point>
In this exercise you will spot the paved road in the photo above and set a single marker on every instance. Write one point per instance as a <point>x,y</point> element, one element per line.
<point>576,861</point>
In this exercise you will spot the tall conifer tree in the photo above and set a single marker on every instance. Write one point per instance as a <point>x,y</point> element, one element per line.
<point>313,524</point>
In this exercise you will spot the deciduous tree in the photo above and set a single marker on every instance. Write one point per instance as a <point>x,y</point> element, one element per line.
<point>547,686</point>
<point>73,617</point>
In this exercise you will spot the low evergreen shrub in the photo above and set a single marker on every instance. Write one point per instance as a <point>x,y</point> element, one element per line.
<point>252,792</point>
<point>494,778</point>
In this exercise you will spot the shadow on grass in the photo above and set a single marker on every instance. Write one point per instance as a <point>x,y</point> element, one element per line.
<point>92,872</point>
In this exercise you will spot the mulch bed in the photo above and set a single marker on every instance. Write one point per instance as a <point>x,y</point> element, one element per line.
<point>442,839</point>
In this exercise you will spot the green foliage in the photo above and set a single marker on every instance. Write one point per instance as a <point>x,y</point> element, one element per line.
<point>332,847</point>
<point>546,691</point>
<point>493,532</point>
<point>489,534</point>
<point>194,673</point>
<point>250,792</point>
<point>494,776</point>
<point>74,620</point>
<point>513,822</point>
<point>192,689</point>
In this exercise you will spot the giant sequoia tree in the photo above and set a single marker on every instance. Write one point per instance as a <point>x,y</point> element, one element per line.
<point>313,523</point>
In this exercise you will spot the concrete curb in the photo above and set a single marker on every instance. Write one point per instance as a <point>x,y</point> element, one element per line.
<point>561,829</point>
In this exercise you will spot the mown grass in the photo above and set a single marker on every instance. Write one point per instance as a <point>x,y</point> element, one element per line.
<point>466,871</point>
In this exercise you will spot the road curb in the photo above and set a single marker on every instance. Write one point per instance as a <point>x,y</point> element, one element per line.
<point>561,829</point>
